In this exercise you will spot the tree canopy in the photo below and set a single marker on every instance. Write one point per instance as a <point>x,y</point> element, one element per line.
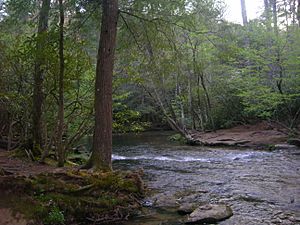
<point>178,64</point>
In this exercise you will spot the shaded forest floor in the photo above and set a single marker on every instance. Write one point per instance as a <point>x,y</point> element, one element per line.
<point>32,193</point>
<point>259,135</point>
<point>10,166</point>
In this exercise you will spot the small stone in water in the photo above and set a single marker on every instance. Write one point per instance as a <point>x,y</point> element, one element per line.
<point>147,203</point>
<point>186,208</point>
<point>209,214</point>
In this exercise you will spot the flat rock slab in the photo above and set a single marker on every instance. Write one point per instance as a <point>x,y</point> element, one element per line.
<point>284,146</point>
<point>209,213</point>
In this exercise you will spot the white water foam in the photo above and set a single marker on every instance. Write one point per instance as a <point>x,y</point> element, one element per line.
<point>236,156</point>
<point>159,158</point>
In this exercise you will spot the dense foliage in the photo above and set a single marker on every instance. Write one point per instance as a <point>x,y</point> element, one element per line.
<point>177,63</point>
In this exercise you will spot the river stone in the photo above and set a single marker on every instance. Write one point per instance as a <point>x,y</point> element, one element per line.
<point>209,213</point>
<point>186,208</point>
<point>284,146</point>
<point>165,201</point>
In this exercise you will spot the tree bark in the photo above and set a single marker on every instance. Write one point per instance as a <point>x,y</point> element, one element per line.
<point>38,95</point>
<point>267,14</point>
<point>298,13</point>
<point>102,138</point>
<point>244,13</point>
<point>274,10</point>
<point>245,23</point>
<point>60,130</point>
<point>190,99</point>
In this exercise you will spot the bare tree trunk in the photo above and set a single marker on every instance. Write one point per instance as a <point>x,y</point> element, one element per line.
<point>270,41</point>
<point>102,139</point>
<point>60,130</point>
<point>245,23</point>
<point>276,67</point>
<point>267,14</point>
<point>178,99</point>
<point>274,10</point>
<point>182,115</point>
<point>38,95</point>
<point>209,107</point>
<point>286,14</point>
<point>298,13</point>
<point>10,135</point>
<point>190,100</point>
<point>244,13</point>
<point>292,6</point>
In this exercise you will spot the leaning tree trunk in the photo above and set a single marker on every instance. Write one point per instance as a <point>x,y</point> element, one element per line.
<point>102,139</point>
<point>38,95</point>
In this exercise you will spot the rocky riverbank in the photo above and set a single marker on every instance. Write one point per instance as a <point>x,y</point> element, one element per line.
<point>259,136</point>
<point>261,187</point>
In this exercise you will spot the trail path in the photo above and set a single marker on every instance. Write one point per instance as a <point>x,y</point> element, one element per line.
<point>10,166</point>
<point>17,167</point>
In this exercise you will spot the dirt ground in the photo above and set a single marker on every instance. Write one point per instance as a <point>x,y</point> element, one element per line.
<point>7,217</point>
<point>17,167</point>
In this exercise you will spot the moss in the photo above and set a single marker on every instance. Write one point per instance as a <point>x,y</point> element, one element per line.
<point>79,159</point>
<point>54,217</point>
<point>50,161</point>
<point>52,183</point>
<point>77,195</point>
<point>177,138</point>
<point>37,150</point>
<point>20,154</point>
<point>270,147</point>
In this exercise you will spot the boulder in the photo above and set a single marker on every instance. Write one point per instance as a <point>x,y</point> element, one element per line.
<point>209,213</point>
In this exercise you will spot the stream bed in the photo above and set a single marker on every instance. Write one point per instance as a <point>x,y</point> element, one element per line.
<point>262,187</point>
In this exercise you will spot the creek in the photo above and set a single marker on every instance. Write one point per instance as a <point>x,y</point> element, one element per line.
<point>262,187</point>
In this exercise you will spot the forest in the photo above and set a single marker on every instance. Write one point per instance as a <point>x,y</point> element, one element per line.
<point>80,79</point>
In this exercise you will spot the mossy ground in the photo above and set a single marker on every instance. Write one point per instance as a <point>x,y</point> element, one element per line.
<point>74,196</point>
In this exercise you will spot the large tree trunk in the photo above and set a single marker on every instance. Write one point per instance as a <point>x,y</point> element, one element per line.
<point>38,95</point>
<point>60,146</point>
<point>102,139</point>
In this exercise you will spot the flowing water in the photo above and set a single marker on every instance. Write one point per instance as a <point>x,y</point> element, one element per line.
<point>261,187</point>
